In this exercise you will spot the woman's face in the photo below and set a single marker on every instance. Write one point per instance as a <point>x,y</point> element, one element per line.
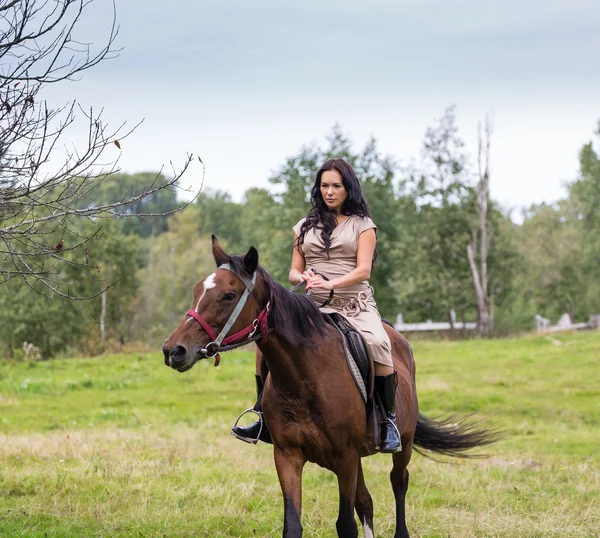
<point>332,189</point>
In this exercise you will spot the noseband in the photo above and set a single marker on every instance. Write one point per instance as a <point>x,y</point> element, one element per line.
<point>221,342</point>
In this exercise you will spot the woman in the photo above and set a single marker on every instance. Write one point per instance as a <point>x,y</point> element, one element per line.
<point>337,239</point>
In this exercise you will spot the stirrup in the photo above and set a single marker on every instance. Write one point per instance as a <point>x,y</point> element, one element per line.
<point>249,439</point>
<point>399,449</point>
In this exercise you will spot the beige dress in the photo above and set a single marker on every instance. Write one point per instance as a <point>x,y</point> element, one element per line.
<point>356,303</point>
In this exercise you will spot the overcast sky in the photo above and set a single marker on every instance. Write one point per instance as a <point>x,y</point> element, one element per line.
<point>246,83</point>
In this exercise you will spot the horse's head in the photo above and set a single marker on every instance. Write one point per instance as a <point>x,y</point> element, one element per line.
<point>216,299</point>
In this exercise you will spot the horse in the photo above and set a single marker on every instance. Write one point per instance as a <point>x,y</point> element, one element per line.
<point>310,402</point>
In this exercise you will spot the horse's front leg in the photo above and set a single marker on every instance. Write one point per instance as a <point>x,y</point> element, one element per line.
<point>347,473</point>
<point>289,465</point>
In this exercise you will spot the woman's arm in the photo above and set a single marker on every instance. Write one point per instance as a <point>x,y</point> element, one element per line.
<point>364,261</point>
<point>297,272</point>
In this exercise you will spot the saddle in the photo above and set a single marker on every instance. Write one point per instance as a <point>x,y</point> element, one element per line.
<point>358,359</point>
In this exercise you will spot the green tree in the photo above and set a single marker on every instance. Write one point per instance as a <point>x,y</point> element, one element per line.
<point>549,245</point>
<point>218,214</point>
<point>177,260</point>
<point>392,209</point>
<point>27,315</point>
<point>442,224</point>
<point>584,195</point>
<point>557,268</point>
<point>55,324</point>
<point>447,213</point>
<point>157,204</point>
<point>117,257</point>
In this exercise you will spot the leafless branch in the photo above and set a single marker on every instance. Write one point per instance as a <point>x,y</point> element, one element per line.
<point>48,187</point>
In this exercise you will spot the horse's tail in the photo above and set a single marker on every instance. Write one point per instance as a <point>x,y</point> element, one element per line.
<point>453,438</point>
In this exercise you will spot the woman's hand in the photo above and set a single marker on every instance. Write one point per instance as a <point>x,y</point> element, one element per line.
<point>298,277</point>
<point>317,282</point>
<point>306,276</point>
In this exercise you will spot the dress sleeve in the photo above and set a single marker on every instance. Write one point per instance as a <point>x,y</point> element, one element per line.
<point>365,224</point>
<point>297,227</point>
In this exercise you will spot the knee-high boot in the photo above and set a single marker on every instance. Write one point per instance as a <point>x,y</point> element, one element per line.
<point>251,433</point>
<point>385,388</point>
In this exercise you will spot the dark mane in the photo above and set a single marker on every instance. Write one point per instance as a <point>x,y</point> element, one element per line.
<point>294,316</point>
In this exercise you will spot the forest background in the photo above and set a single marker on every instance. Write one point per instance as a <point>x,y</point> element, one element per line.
<point>544,261</point>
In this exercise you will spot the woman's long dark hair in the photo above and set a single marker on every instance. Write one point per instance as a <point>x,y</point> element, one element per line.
<point>323,218</point>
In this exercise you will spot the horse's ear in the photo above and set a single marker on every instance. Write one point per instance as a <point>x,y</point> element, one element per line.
<point>251,260</point>
<point>219,254</point>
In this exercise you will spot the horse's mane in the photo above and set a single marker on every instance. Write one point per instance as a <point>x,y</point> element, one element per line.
<point>295,317</point>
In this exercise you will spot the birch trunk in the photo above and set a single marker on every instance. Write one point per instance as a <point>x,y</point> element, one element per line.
<point>479,274</point>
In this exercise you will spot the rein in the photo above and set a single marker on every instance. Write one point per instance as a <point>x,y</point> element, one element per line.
<point>303,283</point>
<point>221,342</point>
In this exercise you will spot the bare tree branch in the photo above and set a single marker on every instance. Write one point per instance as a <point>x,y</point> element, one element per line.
<point>48,187</point>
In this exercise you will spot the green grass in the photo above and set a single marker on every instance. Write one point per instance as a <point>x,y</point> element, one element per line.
<point>123,446</point>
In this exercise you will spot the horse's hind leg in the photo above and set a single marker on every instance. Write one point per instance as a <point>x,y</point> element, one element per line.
<point>399,478</point>
<point>347,474</point>
<point>364,504</point>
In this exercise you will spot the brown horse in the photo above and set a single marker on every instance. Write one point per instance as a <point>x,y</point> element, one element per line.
<point>310,402</point>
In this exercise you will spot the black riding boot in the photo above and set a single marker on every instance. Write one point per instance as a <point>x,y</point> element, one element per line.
<point>253,432</point>
<point>385,388</point>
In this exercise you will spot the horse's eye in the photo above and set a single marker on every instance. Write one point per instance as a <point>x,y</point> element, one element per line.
<point>228,297</point>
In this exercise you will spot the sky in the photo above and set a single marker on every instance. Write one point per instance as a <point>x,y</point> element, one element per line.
<point>246,84</point>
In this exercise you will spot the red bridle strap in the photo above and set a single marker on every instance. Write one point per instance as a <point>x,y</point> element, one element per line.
<point>202,321</point>
<point>259,323</point>
<point>246,334</point>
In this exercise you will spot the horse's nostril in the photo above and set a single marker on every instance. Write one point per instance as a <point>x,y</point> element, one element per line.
<point>173,355</point>
<point>178,353</point>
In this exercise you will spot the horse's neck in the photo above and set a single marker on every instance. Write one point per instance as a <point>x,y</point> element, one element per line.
<point>290,368</point>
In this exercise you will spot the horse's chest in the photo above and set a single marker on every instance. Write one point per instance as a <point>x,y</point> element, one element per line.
<point>299,425</point>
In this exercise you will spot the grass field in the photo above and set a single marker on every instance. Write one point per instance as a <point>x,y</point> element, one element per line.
<point>123,446</point>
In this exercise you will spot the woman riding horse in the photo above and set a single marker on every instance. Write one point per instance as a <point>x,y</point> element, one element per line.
<point>314,411</point>
<point>337,239</point>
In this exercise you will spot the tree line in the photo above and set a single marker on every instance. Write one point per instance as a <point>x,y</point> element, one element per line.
<point>140,270</point>
<point>90,257</point>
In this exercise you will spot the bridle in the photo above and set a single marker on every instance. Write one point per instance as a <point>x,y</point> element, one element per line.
<point>220,343</point>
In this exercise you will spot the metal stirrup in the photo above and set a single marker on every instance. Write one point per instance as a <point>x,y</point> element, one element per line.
<point>248,439</point>
<point>398,432</point>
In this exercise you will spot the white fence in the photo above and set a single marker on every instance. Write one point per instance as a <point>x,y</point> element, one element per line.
<point>434,325</point>
<point>565,323</point>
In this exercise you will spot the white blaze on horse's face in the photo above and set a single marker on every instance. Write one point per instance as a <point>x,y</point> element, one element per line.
<point>209,283</point>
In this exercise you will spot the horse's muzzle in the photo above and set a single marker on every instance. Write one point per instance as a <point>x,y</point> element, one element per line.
<point>176,358</point>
